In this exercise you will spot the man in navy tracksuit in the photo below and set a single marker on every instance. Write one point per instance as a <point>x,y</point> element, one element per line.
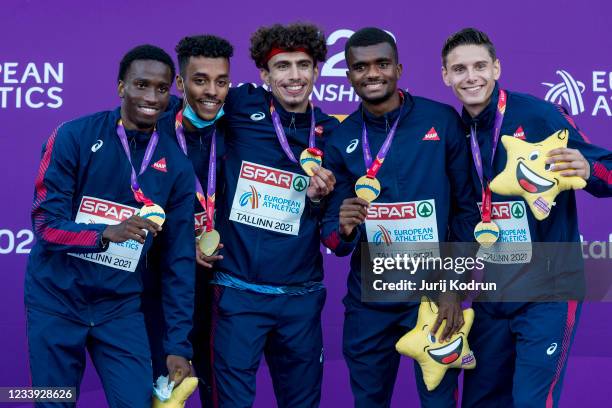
<point>425,178</point>
<point>83,282</point>
<point>522,347</point>
<point>268,286</point>
<point>204,63</point>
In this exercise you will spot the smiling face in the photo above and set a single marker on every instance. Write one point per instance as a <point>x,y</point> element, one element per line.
<point>145,94</point>
<point>528,175</point>
<point>471,73</point>
<point>205,85</point>
<point>445,354</point>
<point>373,72</point>
<point>291,76</point>
<point>435,357</point>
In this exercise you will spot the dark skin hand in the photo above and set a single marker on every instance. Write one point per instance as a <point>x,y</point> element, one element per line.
<point>207,261</point>
<point>353,212</point>
<point>178,369</point>
<point>132,228</point>
<point>449,308</point>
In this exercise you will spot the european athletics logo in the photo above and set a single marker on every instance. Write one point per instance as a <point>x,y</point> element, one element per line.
<point>569,91</point>
<point>250,197</point>
<point>382,235</point>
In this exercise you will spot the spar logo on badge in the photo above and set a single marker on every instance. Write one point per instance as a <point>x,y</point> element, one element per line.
<point>383,235</point>
<point>250,197</point>
<point>517,210</point>
<point>106,209</point>
<point>425,209</point>
<point>200,220</point>
<point>300,183</point>
<point>391,211</point>
<point>266,175</point>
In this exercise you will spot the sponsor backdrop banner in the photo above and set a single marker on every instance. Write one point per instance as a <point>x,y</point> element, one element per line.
<point>59,60</point>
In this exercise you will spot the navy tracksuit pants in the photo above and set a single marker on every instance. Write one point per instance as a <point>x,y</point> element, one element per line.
<point>522,350</point>
<point>369,341</point>
<point>286,329</point>
<point>118,348</point>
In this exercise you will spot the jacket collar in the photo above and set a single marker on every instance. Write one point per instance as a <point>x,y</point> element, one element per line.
<point>486,118</point>
<point>388,118</point>
<point>297,118</point>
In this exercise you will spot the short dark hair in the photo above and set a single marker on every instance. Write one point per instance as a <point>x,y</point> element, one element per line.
<point>145,52</point>
<point>370,36</point>
<point>209,46</point>
<point>467,36</point>
<point>290,37</point>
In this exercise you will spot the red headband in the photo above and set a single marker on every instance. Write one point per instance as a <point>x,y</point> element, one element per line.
<point>277,50</point>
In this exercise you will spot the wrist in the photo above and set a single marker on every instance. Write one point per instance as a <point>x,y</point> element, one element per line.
<point>348,237</point>
<point>103,241</point>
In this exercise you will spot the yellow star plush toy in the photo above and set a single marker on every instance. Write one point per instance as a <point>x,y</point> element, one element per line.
<point>179,394</point>
<point>435,357</point>
<point>527,175</point>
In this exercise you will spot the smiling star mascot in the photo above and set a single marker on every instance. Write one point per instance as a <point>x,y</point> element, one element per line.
<point>527,175</point>
<point>435,357</point>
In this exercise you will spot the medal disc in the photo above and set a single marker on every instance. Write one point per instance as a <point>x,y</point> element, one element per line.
<point>486,233</point>
<point>367,188</point>
<point>310,160</point>
<point>209,241</point>
<point>154,213</point>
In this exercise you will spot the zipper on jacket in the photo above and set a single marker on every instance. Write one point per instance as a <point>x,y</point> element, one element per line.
<point>292,124</point>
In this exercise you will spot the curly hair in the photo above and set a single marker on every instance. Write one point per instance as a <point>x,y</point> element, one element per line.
<point>144,52</point>
<point>290,37</point>
<point>209,46</point>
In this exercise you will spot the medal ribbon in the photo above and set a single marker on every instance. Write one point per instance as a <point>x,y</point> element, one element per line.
<point>486,190</point>
<point>374,166</point>
<point>282,137</point>
<point>138,193</point>
<point>208,202</point>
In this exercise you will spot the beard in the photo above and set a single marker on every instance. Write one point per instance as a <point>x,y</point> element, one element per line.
<point>381,99</point>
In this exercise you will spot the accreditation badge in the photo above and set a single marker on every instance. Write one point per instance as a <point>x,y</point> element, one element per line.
<point>514,242</point>
<point>403,223</point>
<point>269,198</point>
<point>124,255</point>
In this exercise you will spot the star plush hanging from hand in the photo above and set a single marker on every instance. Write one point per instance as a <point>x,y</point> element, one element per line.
<point>528,175</point>
<point>435,357</point>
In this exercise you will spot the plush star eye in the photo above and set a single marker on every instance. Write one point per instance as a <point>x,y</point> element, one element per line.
<point>431,338</point>
<point>547,166</point>
<point>534,155</point>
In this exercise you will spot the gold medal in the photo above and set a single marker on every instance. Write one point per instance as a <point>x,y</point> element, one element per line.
<point>309,159</point>
<point>486,233</point>
<point>367,188</point>
<point>153,213</point>
<point>209,242</point>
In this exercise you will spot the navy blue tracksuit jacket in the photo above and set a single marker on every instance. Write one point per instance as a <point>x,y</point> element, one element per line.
<point>428,160</point>
<point>526,344</point>
<point>85,170</point>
